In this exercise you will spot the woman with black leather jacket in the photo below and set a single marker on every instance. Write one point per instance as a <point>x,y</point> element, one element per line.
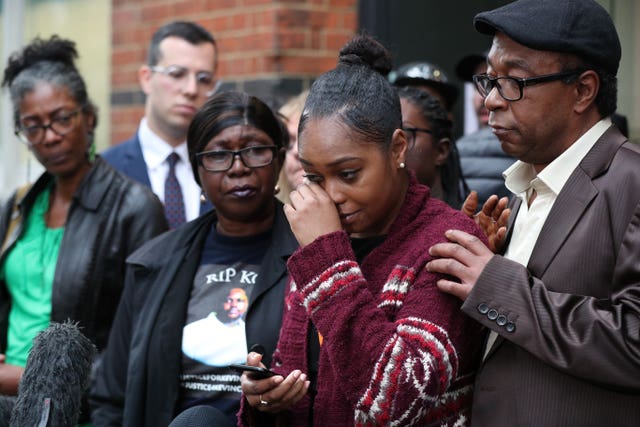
<point>66,237</point>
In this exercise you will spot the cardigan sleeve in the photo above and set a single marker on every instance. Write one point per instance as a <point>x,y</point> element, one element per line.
<point>399,368</point>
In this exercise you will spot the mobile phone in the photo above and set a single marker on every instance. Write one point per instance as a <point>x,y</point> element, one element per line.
<point>255,372</point>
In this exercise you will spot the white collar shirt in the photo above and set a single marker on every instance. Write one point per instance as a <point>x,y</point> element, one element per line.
<point>521,179</point>
<point>155,152</point>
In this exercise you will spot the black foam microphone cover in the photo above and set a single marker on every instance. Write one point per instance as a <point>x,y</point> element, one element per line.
<point>6,408</point>
<point>201,416</point>
<point>55,378</point>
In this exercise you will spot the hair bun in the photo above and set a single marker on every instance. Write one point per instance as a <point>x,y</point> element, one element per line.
<point>55,49</point>
<point>365,51</point>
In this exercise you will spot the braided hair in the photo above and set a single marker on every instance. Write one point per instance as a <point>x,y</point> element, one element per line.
<point>453,184</point>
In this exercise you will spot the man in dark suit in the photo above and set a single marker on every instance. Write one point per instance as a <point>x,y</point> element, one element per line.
<point>178,78</point>
<point>563,303</point>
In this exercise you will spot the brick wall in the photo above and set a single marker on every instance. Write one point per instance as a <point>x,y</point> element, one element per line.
<point>272,49</point>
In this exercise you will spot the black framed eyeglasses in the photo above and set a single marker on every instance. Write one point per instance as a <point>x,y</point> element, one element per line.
<point>511,88</point>
<point>222,160</point>
<point>61,124</point>
<point>412,132</point>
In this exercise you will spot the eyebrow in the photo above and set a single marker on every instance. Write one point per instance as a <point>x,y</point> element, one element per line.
<point>48,114</point>
<point>188,68</point>
<point>252,136</point>
<point>334,163</point>
<point>514,63</point>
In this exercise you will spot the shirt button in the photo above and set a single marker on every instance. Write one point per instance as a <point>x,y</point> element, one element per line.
<point>501,320</point>
<point>492,314</point>
<point>483,308</point>
<point>510,327</point>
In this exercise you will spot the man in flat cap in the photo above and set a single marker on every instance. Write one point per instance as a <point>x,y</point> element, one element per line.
<point>562,303</point>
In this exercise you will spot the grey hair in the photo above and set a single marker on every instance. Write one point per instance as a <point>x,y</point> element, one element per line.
<point>50,61</point>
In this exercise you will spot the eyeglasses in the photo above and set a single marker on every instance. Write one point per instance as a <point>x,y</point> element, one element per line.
<point>179,74</point>
<point>61,125</point>
<point>510,88</point>
<point>412,131</point>
<point>222,160</point>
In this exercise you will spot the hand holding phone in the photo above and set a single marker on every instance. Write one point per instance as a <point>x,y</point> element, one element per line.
<point>255,372</point>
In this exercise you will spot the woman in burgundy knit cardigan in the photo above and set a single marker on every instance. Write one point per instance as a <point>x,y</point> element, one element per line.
<point>367,338</point>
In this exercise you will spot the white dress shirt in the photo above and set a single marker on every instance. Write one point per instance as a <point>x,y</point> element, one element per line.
<point>155,152</point>
<point>521,179</point>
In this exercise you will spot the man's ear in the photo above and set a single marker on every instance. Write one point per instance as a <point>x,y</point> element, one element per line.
<point>587,88</point>
<point>144,78</point>
<point>443,148</point>
<point>399,146</point>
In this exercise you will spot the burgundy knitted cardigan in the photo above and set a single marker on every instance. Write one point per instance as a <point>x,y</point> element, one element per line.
<point>396,350</point>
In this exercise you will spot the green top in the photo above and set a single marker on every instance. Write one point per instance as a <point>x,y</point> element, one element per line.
<point>28,271</point>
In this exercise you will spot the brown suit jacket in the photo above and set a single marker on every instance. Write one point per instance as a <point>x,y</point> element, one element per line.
<point>568,353</point>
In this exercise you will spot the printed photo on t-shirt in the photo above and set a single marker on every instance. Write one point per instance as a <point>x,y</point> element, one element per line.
<point>214,335</point>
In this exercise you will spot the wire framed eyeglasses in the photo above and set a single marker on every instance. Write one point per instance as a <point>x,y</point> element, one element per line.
<point>179,74</point>
<point>412,132</point>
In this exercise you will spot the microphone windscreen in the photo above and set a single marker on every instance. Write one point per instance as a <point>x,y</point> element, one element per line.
<point>57,372</point>
<point>6,407</point>
<point>201,416</point>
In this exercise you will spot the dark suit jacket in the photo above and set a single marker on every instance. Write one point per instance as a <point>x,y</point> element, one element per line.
<point>137,384</point>
<point>127,158</point>
<point>568,353</point>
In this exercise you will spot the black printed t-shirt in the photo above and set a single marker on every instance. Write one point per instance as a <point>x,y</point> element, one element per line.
<point>214,334</point>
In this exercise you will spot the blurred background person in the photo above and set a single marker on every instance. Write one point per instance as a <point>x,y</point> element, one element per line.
<point>236,149</point>
<point>481,156</point>
<point>428,130</point>
<point>178,78</point>
<point>474,63</point>
<point>292,174</point>
<point>66,237</point>
<point>428,77</point>
<point>431,79</point>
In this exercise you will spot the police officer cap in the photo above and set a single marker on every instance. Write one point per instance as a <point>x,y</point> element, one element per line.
<point>425,73</point>
<point>581,27</point>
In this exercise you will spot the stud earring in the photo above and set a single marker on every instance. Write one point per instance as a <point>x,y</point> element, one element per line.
<point>401,165</point>
<point>202,198</point>
<point>276,189</point>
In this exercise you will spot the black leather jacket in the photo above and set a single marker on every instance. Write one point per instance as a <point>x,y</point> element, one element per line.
<point>109,218</point>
